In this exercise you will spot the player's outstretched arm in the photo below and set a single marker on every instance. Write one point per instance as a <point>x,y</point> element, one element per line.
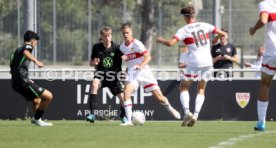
<point>221,33</point>
<point>259,24</point>
<point>166,42</point>
<point>146,60</point>
<point>29,56</point>
<point>215,40</point>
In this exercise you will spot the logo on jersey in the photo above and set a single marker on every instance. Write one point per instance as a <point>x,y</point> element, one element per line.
<point>107,62</point>
<point>39,89</point>
<point>218,51</point>
<point>29,47</point>
<point>242,99</point>
<point>228,49</point>
<point>132,49</point>
<point>112,54</point>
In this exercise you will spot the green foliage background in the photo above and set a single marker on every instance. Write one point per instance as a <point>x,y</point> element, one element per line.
<point>72,26</point>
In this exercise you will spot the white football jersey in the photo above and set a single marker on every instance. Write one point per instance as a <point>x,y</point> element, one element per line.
<point>196,37</point>
<point>135,52</point>
<point>269,7</point>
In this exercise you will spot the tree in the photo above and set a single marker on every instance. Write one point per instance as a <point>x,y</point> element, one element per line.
<point>148,9</point>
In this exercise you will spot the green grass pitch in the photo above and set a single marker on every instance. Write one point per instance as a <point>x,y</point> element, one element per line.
<point>108,134</point>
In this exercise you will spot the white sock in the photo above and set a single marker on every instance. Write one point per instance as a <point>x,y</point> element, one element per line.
<point>128,109</point>
<point>185,101</point>
<point>166,104</point>
<point>262,108</point>
<point>198,104</point>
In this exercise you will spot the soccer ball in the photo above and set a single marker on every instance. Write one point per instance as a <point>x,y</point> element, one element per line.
<point>138,118</point>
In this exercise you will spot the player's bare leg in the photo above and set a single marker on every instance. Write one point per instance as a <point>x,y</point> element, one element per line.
<point>95,85</point>
<point>36,103</point>
<point>263,100</point>
<point>185,101</point>
<point>157,94</point>
<point>46,99</point>
<point>199,101</point>
<point>129,88</point>
<point>265,87</point>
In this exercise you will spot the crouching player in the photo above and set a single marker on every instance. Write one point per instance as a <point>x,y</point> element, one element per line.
<point>21,83</point>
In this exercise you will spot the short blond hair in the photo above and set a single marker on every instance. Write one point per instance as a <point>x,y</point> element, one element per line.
<point>106,30</point>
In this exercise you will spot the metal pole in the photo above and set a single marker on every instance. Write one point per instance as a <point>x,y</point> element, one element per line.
<point>18,22</point>
<point>230,20</point>
<point>35,23</point>
<point>31,20</point>
<point>125,11</point>
<point>30,15</point>
<point>35,16</point>
<point>89,28</point>
<point>216,13</point>
<point>160,20</point>
<point>54,32</point>
<point>39,19</point>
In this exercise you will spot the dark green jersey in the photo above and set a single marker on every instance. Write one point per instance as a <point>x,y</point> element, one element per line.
<point>19,63</point>
<point>110,58</point>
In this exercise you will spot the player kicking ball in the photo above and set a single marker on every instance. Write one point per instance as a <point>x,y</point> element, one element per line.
<point>267,18</point>
<point>106,58</point>
<point>196,36</point>
<point>138,72</point>
<point>21,83</point>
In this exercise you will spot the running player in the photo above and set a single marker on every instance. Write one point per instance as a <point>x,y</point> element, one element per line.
<point>267,18</point>
<point>21,83</point>
<point>106,58</point>
<point>196,36</point>
<point>138,72</point>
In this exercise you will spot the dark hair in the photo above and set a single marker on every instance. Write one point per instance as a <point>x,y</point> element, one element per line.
<point>188,11</point>
<point>29,35</point>
<point>126,25</point>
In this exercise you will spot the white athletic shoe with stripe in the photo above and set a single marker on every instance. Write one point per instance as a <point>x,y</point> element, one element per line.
<point>39,122</point>
<point>173,111</point>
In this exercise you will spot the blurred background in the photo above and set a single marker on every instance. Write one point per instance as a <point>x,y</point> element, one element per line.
<point>69,28</point>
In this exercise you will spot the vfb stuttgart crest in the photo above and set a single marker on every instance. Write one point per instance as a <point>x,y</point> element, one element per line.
<point>242,98</point>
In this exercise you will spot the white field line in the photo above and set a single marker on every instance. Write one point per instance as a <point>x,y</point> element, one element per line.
<point>235,140</point>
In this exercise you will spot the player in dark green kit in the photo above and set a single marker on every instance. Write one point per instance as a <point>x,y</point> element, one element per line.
<point>21,83</point>
<point>106,58</point>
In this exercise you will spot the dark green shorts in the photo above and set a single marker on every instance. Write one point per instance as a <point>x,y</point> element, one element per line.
<point>29,91</point>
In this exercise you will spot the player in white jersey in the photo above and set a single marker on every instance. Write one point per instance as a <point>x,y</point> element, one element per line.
<point>196,36</point>
<point>267,9</point>
<point>138,72</point>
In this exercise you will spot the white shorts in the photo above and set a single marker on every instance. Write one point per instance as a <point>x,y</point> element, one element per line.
<point>197,73</point>
<point>269,65</point>
<point>142,77</point>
